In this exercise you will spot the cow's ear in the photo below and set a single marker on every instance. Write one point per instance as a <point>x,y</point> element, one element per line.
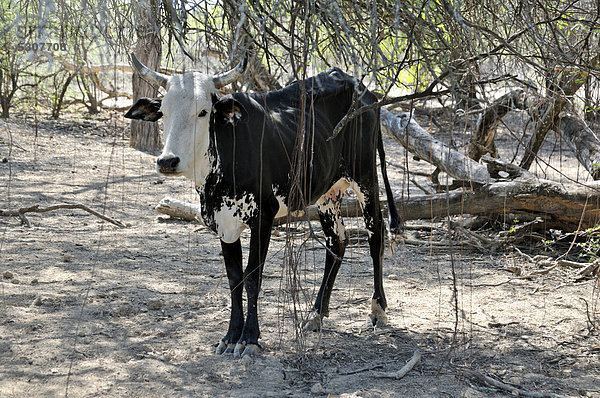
<point>145,109</point>
<point>228,110</point>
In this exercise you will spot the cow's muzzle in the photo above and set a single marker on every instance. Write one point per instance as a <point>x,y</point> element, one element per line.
<point>167,164</point>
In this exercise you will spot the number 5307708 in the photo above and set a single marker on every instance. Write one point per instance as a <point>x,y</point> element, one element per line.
<point>41,46</point>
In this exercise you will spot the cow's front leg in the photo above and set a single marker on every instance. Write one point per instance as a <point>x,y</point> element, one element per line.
<point>232,253</point>
<point>259,244</point>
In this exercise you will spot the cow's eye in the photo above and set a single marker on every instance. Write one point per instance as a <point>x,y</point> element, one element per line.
<point>202,113</point>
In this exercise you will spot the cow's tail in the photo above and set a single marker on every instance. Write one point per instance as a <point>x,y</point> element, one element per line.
<point>396,224</point>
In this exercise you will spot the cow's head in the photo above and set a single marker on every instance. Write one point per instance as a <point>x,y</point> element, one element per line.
<point>186,109</point>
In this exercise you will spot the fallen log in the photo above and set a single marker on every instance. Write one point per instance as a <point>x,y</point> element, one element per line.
<point>562,207</point>
<point>559,207</point>
<point>414,138</point>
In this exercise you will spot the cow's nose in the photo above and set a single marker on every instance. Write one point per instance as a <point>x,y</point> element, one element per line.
<point>167,164</point>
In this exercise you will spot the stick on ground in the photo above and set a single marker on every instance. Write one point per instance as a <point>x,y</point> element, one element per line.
<point>506,387</point>
<point>37,209</point>
<point>414,361</point>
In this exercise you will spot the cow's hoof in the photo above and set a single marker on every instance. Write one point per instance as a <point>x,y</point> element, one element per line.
<point>245,350</point>
<point>250,351</point>
<point>224,348</point>
<point>313,322</point>
<point>239,350</point>
<point>377,317</point>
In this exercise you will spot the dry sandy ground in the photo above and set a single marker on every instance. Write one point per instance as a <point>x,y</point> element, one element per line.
<point>90,309</point>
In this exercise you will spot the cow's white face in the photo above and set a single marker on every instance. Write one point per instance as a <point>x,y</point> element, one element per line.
<point>186,109</point>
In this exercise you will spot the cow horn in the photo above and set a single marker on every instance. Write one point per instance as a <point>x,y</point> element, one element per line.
<point>223,79</point>
<point>148,73</point>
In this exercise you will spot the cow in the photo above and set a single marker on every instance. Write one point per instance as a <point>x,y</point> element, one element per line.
<point>247,153</point>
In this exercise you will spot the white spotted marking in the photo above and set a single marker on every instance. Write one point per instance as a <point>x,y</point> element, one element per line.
<point>283,209</point>
<point>329,205</point>
<point>232,217</point>
<point>359,194</point>
<point>337,190</point>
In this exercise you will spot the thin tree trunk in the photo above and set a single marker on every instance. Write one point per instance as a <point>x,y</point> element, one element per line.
<point>583,141</point>
<point>145,136</point>
<point>61,96</point>
<point>483,138</point>
<point>10,82</point>
<point>87,91</point>
<point>568,87</point>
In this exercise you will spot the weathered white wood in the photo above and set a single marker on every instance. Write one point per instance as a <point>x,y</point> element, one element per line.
<point>414,361</point>
<point>413,137</point>
<point>179,209</point>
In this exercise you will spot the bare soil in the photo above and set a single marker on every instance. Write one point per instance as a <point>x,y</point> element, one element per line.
<point>91,309</point>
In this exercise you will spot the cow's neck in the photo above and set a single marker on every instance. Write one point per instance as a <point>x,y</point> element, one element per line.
<point>206,163</point>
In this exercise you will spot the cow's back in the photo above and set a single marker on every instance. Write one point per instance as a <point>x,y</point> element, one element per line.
<point>264,144</point>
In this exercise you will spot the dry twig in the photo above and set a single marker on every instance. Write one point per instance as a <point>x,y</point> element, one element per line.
<point>37,209</point>
<point>365,369</point>
<point>506,387</point>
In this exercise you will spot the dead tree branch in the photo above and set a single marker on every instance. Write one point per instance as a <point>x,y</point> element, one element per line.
<point>418,141</point>
<point>414,361</point>
<point>37,209</point>
<point>179,209</point>
<point>483,137</point>
<point>571,82</point>
<point>506,387</point>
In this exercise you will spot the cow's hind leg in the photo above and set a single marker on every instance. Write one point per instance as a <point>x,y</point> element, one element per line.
<point>335,235</point>
<point>369,199</point>
<point>232,253</point>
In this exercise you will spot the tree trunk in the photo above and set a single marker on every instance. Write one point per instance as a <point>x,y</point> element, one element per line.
<point>145,136</point>
<point>482,141</point>
<point>3,102</point>
<point>58,103</point>
<point>418,141</point>
<point>8,88</point>
<point>566,208</point>
<point>584,142</point>
<point>92,103</point>
<point>542,126</point>
<point>5,108</point>
<point>569,84</point>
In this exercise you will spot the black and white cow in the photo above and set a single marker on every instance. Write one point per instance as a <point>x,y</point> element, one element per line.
<point>239,149</point>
